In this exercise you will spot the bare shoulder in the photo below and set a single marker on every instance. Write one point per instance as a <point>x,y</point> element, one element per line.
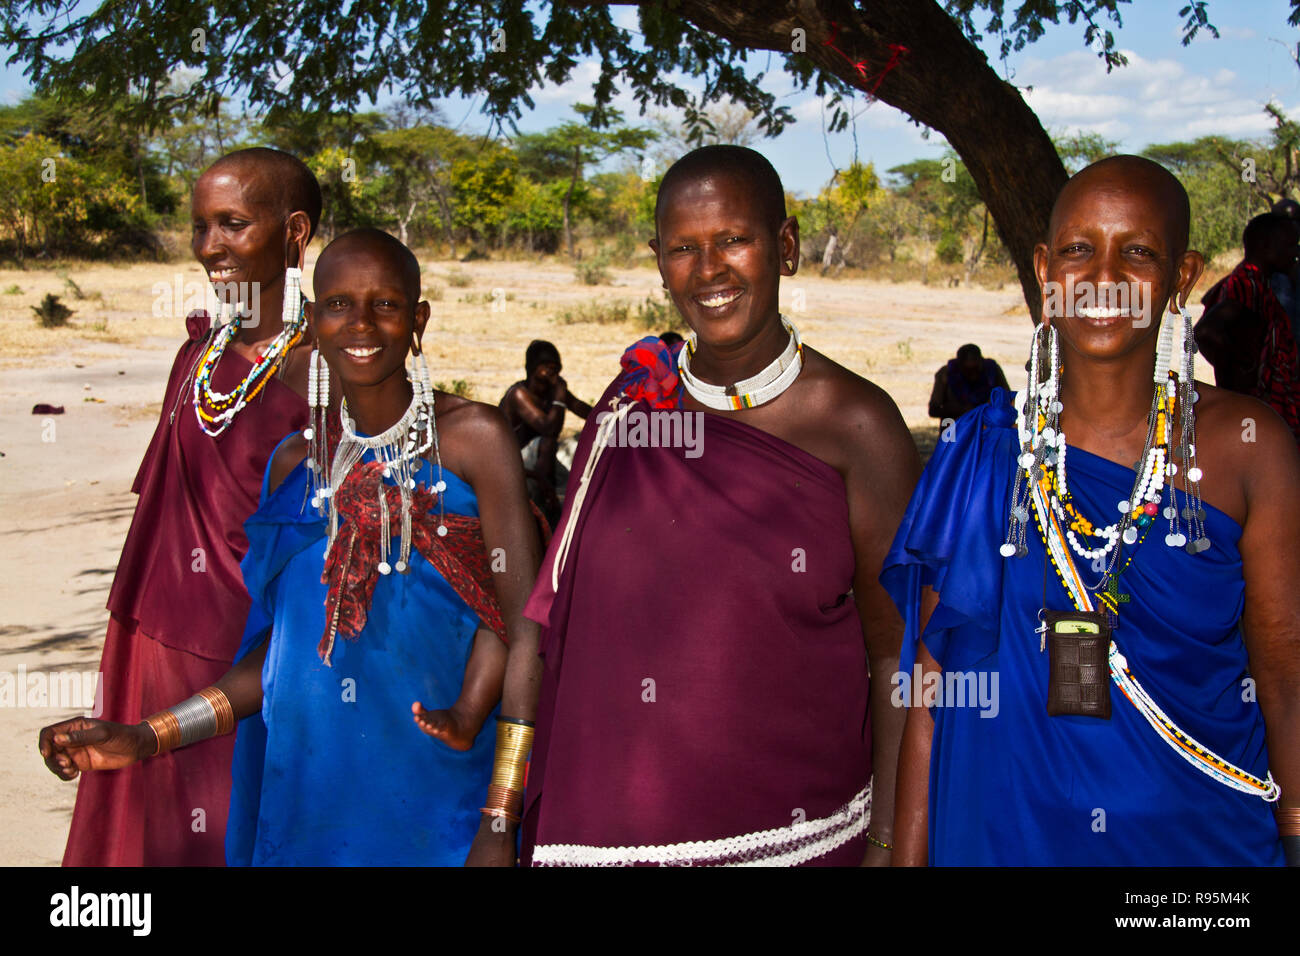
<point>474,436</point>
<point>861,411</point>
<point>458,415</point>
<point>1250,443</point>
<point>286,458</point>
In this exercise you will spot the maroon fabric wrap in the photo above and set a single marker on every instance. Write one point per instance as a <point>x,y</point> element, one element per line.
<point>179,576</point>
<point>686,572</point>
<point>352,566</point>
<point>146,814</point>
<point>177,616</point>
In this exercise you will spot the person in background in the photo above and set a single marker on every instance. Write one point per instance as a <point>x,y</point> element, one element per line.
<point>1245,333</point>
<point>1286,285</point>
<point>535,409</point>
<point>966,382</point>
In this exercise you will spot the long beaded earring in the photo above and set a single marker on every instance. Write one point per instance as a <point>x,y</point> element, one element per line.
<point>318,400</point>
<point>291,312</point>
<point>1195,539</point>
<point>1037,445</point>
<point>424,390</point>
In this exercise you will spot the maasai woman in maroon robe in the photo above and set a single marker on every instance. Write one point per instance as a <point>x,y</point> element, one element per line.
<point>178,603</point>
<point>717,649</point>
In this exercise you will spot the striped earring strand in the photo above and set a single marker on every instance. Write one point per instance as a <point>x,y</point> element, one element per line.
<point>1037,445</point>
<point>1194,538</point>
<point>318,401</point>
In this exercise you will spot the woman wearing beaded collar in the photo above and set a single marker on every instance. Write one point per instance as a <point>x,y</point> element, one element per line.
<point>765,541</point>
<point>1165,566</point>
<point>178,601</point>
<point>338,775</point>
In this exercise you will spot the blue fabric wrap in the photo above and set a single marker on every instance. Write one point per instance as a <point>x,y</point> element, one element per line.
<point>1010,785</point>
<point>334,770</point>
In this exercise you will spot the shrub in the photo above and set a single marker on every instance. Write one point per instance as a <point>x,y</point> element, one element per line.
<point>51,313</point>
<point>458,386</point>
<point>594,271</point>
<point>596,313</point>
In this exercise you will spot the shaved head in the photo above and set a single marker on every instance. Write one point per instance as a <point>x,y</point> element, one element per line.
<point>738,162</point>
<point>274,179</point>
<point>1133,173</point>
<point>376,242</point>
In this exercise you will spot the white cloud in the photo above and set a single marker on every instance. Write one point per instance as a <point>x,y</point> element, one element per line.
<point>1147,101</point>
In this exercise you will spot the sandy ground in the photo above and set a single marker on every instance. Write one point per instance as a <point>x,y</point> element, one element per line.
<point>65,503</point>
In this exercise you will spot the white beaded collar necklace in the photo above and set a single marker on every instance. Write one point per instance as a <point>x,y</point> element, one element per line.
<point>755,390</point>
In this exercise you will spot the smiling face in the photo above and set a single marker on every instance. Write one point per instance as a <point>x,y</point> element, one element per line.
<point>721,258</point>
<point>236,235</point>
<point>365,312</point>
<point>1116,253</point>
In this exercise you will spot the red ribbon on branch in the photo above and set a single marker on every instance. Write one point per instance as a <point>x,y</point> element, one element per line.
<point>896,52</point>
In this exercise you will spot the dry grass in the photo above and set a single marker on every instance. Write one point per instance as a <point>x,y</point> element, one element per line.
<point>895,333</point>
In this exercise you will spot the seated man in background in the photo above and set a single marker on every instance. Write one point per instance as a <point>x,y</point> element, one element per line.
<point>964,383</point>
<point>535,409</point>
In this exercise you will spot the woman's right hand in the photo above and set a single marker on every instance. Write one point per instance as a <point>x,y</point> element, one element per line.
<point>84,743</point>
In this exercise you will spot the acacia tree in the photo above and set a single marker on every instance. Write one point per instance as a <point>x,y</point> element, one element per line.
<point>571,147</point>
<point>321,56</point>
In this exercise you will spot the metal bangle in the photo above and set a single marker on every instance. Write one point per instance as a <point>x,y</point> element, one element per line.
<point>877,842</point>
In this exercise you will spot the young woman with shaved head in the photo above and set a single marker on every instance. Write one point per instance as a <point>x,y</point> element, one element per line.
<point>178,603</point>
<point>1112,551</point>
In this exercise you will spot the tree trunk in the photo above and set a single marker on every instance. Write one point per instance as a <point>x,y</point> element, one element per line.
<point>828,256</point>
<point>402,224</point>
<point>573,182</point>
<point>943,81</point>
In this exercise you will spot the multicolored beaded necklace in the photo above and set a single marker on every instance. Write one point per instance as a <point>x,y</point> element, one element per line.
<point>1040,481</point>
<point>216,410</point>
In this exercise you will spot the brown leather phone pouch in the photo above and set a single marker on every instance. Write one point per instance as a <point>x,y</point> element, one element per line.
<point>1078,645</point>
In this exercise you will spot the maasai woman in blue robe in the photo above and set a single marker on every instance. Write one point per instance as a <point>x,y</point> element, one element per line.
<point>1010,785</point>
<point>337,749</point>
<point>1202,675</point>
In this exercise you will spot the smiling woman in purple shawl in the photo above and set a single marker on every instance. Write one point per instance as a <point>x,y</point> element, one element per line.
<point>711,616</point>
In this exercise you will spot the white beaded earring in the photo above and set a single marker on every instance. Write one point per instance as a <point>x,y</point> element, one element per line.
<point>1042,396</point>
<point>1194,540</point>
<point>318,400</point>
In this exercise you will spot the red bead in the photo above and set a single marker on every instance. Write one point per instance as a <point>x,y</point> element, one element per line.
<point>1151,508</point>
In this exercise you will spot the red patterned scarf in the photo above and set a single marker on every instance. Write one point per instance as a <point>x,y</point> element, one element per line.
<point>352,566</point>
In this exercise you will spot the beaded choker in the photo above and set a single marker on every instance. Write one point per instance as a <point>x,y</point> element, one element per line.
<point>755,390</point>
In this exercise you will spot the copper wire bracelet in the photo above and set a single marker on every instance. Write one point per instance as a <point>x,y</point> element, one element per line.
<point>505,796</point>
<point>207,714</point>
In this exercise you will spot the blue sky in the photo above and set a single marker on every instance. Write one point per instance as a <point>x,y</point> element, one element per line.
<point>1167,92</point>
